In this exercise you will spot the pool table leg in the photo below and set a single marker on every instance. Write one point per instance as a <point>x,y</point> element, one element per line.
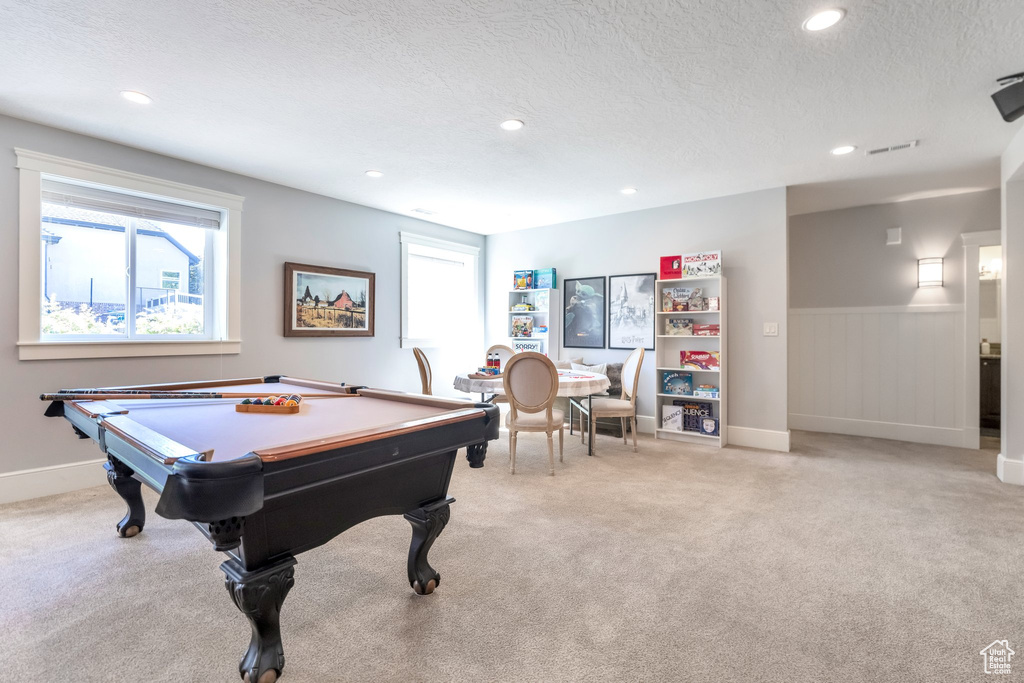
<point>259,595</point>
<point>476,453</point>
<point>427,523</point>
<point>119,476</point>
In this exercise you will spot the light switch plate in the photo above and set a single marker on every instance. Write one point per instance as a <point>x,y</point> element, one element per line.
<point>771,329</point>
<point>894,236</point>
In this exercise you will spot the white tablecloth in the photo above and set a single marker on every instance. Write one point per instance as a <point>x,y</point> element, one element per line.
<point>570,383</point>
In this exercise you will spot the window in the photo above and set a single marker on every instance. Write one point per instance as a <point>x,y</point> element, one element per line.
<point>440,291</point>
<point>171,279</point>
<point>127,265</point>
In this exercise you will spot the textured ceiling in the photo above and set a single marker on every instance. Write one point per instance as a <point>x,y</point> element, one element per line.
<point>682,99</point>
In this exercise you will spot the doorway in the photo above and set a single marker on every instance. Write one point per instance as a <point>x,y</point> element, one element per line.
<point>983,332</point>
<point>990,276</point>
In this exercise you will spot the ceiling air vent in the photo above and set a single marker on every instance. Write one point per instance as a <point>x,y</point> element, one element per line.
<point>893,148</point>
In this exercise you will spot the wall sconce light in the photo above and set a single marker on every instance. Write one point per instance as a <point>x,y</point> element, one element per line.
<point>929,272</point>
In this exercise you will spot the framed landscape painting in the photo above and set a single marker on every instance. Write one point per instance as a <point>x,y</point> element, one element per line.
<point>631,311</point>
<point>583,319</point>
<point>327,302</point>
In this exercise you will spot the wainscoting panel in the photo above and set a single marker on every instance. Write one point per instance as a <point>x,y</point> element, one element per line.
<point>890,371</point>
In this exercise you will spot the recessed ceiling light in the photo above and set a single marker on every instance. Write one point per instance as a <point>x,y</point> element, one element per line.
<point>375,174</point>
<point>512,124</point>
<point>844,149</point>
<point>628,190</point>
<point>136,96</point>
<point>822,20</point>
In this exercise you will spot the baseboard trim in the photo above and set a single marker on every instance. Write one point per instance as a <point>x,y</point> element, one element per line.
<point>645,424</point>
<point>1010,471</point>
<point>939,436</point>
<point>909,308</point>
<point>765,439</point>
<point>49,481</point>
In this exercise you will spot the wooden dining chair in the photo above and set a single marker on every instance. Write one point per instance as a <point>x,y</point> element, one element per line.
<point>622,407</point>
<point>505,354</point>
<point>531,384</point>
<point>426,377</point>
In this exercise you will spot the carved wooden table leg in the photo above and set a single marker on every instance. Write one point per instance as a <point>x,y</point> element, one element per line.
<point>259,595</point>
<point>427,523</point>
<point>119,476</point>
<point>476,453</point>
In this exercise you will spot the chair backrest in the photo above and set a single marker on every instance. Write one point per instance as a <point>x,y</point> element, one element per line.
<point>505,354</point>
<point>531,383</point>
<point>631,374</point>
<point>426,377</point>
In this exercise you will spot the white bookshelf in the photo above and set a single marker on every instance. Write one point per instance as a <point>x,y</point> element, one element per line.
<point>667,350</point>
<point>546,305</point>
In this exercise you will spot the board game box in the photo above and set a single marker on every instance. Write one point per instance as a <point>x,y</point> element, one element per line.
<point>545,278</point>
<point>679,327</point>
<point>709,426</point>
<point>522,279</point>
<point>522,326</point>
<point>693,413</point>
<point>699,360</point>
<point>521,345</point>
<point>672,418</point>
<point>671,267</point>
<point>702,264</point>
<point>675,299</point>
<point>707,330</point>
<point>680,383</point>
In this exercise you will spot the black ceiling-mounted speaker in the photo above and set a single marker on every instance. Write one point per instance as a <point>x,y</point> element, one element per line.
<point>1010,100</point>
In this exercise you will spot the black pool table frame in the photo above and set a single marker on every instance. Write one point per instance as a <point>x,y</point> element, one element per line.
<point>262,511</point>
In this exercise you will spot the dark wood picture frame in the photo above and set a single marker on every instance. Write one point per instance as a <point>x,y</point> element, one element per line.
<point>579,308</point>
<point>328,307</point>
<point>645,311</point>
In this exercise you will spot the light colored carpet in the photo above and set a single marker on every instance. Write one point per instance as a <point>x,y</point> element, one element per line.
<point>848,559</point>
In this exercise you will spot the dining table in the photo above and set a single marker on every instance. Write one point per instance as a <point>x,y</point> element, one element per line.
<point>571,383</point>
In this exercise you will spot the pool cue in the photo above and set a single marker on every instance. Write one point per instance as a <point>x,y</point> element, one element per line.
<point>169,395</point>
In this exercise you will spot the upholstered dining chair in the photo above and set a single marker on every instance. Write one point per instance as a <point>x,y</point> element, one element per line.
<point>505,353</point>
<point>426,377</point>
<point>622,407</point>
<point>531,384</point>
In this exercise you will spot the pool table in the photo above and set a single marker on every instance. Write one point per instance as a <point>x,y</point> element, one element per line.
<point>266,487</point>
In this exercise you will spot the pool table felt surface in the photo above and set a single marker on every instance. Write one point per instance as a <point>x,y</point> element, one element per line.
<point>214,424</point>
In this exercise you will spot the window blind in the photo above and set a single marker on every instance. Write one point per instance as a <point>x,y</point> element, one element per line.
<point>107,201</point>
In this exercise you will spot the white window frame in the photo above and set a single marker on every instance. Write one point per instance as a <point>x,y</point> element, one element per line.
<point>408,238</point>
<point>225,295</point>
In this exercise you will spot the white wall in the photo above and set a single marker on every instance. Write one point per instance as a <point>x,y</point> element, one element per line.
<point>279,224</point>
<point>840,259</point>
<point>870,353</point>
<point>749,229</point>
<point>1010,465</point>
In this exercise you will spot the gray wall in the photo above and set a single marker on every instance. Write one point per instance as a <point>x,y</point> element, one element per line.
<point>279,224</point>
<point>749,229</point>
<point>840,259</point>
